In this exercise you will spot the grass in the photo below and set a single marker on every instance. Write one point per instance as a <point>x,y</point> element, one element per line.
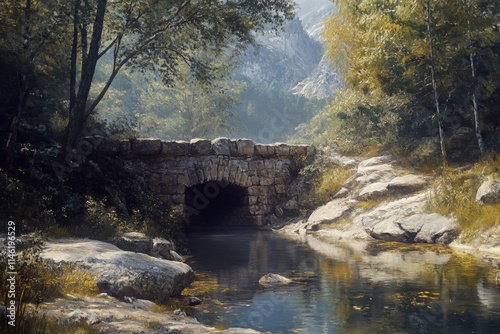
<point>331,181</point>
<point>41,324</point>
<point>454,192</point>
<point>370,204</point>
<point>40,282</point>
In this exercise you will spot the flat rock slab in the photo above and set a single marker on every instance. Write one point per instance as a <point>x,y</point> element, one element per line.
<point>331,211</point>
<point>373,191</point>
<point>406,184</point>
<point>111,316</point>
<point>122,273</point>
<point>135,242</point>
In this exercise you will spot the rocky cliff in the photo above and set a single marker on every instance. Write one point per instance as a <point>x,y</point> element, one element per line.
<point>293,59</point>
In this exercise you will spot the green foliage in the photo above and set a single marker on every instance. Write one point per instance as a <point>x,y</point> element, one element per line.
<point>185,110</point>
<point>25,202</point>
<point>102,222</point>
<point>383,51</point>
<point>354,121</point>
<point>454,192</point>
<point>38,282</point>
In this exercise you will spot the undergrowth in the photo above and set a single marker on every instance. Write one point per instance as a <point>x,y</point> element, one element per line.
<point>331,181</point>
<point>38,282</point>
<point>454,192</point>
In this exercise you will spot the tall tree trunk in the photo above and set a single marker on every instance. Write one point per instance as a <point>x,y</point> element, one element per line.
<point>74,56</point>
<point>434,84</point>
<point>26,67</point>
<point>79,114</point>
<point>475,108</point>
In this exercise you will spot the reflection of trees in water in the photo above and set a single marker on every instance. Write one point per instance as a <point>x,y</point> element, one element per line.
<point>416,290</point>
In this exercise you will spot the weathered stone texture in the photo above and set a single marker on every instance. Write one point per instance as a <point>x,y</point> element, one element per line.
<point>172,166</point>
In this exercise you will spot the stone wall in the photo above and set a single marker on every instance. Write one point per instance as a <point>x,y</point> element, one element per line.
<point>173,166</point>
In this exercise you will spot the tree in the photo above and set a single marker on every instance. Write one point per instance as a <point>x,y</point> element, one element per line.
<point>34,46</point>
<point>430,41</point>
<point>415,51</point>
<point>157,35</point>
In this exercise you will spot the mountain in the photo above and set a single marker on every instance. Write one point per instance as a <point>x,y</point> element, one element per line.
<point>323,80</point>
<point>293,59</point>
<point>312,14</point>
<point>283,58</point>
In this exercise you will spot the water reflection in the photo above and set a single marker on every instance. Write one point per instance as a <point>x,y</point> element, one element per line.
<point>341,289</point>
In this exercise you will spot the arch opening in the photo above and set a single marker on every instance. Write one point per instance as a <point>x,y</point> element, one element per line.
<point>214,204</point>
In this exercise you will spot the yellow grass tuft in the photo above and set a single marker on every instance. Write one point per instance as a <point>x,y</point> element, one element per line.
<point>454,192</point>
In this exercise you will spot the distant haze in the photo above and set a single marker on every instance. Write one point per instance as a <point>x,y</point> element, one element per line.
<point>312,13</point>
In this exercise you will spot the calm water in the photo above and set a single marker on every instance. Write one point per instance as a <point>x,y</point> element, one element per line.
<point>376,289</point>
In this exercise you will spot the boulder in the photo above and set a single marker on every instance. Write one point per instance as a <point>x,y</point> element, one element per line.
<point>375,161</point>
<point>121,273</point>
<point>112,316</point>
<point>193,301</point>
<point>434,228</point>
<point>419,228</point>
<point>377,173</point>
<point>135,242</point>
<point>270,280</point>
<point>489,192</point>
<point>162,247</point>
<point>406,184</point>
<point>393,211</point>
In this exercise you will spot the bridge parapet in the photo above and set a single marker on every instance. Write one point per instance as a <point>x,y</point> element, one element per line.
<point>173,168</point>
<point>199,147</point>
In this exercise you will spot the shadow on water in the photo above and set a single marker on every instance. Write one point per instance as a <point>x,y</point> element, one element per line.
<point>337,289</point>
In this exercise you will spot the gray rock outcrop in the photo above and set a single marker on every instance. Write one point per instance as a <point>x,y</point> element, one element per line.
<point>381,201</point>
<point>109,315</point>
<point>122,273</point>
<point>135,242</point>
<point>489,191</point>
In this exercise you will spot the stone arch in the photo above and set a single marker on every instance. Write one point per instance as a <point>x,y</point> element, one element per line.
<point>172,167</point>
<point>215,203</point>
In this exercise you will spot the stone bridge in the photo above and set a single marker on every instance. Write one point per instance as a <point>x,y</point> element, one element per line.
<point>223,181</point>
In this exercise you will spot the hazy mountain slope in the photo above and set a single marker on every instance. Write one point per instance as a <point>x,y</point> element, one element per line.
<point>323,80</point>
<point>293,59</point>
<point>284,59</point>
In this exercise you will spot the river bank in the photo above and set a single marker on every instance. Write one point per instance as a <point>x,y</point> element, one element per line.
<point>384,201</point>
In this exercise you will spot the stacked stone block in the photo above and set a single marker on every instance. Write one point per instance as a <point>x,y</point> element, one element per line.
<point>172,166</point>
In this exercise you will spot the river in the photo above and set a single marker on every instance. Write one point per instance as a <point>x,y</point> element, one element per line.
<point>374,288</point>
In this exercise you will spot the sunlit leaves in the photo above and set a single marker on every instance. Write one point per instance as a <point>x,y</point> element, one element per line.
<point>382,48</point>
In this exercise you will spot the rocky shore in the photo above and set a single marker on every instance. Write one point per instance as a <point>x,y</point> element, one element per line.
<point>379,201</point>
<point>382,201</point>
<point>134,282</point>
